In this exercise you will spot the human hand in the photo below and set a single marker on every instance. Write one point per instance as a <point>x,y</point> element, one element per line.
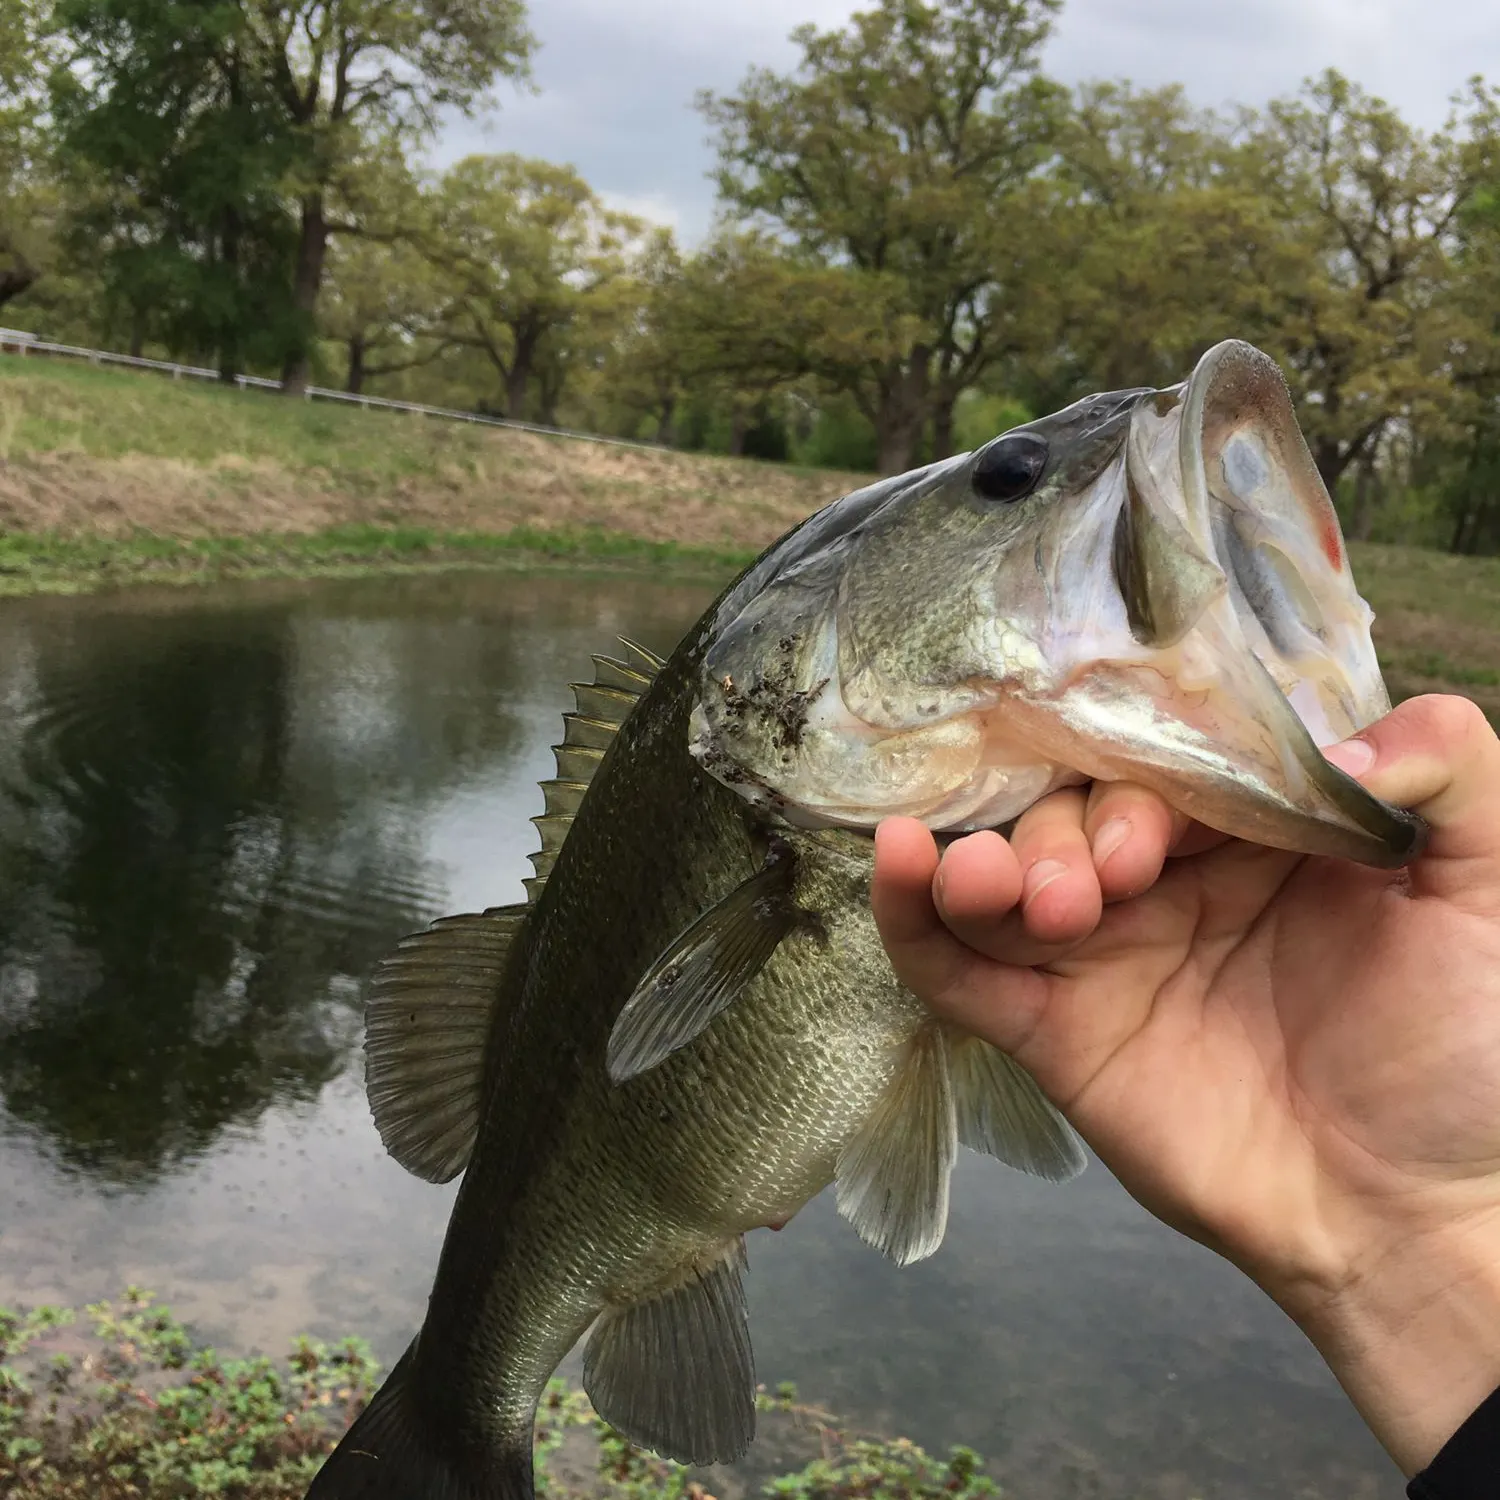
<point>1294,1060</point>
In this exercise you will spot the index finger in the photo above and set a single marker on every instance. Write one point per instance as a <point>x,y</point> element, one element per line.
<point>996,1001</point>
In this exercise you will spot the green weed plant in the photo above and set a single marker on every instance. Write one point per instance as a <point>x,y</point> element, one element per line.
<point>120,1403</point>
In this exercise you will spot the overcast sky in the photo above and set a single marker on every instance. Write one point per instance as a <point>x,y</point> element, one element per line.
<point>616,78</point>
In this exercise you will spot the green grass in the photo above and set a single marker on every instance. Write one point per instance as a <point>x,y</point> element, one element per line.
<point>54,406</point>
<point>64,564</point>
<point>61,406</point>
<point>1465,590</point>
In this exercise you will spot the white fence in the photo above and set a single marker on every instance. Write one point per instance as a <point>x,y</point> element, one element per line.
<point>16,341</point>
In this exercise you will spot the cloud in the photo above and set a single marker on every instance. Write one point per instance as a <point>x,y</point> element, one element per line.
<point>617,82</point>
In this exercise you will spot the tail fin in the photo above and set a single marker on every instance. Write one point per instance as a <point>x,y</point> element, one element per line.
<point>385,1456</point>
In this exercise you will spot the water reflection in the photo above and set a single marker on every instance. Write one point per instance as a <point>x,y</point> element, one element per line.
<point>214,824</point>
<point>218,809</point>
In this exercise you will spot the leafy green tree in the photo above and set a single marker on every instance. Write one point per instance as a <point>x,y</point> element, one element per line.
<point>1371,204</point>
<point>530,250</point>
<point>645,369</point>
<point>893,153</point>
<point>176,156</point>
<point>28,195</point>
<point>1146,247</point>
<point>752,316</point>
<point>349,71</point>
<point>385,296</point>
<point>383,304</point>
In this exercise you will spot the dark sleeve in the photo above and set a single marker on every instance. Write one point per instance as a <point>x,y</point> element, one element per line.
<point>1468,1468</point>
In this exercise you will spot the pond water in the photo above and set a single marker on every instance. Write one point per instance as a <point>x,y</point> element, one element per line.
<point>218,809</point>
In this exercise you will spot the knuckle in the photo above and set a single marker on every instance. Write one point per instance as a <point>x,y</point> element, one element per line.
<point>1446,718</point>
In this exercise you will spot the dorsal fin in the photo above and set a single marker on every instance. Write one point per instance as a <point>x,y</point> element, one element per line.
<point>428,1015</point>
<point>601,706</point>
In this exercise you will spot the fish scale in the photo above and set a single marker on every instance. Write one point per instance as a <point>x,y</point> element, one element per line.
<point>691,1028</point>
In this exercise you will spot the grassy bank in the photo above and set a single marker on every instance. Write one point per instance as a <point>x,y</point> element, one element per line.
<point>119,1403</point>
<point>61,563</point>
<point>109,477</point>
<point>101,454</point>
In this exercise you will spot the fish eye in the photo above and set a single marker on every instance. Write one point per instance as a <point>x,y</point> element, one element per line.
<point>1009,468</point>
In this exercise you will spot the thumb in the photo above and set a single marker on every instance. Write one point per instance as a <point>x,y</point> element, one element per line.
<point>1438,756</point>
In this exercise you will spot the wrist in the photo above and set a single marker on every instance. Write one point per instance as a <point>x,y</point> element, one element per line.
<point>1411,1329</point>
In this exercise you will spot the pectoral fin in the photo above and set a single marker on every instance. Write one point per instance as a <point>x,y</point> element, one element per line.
<point>893,1176</point>
<point>676,1373</point>
<point>1003,1113</point>
<point>705,969</point>
<point>425,1028</point>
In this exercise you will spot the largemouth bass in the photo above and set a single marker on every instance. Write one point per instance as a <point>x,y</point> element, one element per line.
<point>690,1028</point>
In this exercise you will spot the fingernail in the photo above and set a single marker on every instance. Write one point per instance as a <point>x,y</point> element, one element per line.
<point>1109,838</point>
<point>1039,877</point>
<point>1353,757</point>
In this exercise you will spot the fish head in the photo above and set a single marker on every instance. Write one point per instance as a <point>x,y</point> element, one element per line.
<point>1150,585</point>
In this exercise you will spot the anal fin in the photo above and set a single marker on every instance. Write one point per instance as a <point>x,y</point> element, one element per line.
<point>892,1181</point>
<point>1003,1113</point>
<point>675,1373</point>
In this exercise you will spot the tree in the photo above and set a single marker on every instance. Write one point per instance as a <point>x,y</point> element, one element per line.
<point>645,367</point>
<point>1459,459</point>
<point>1371,203</point>
<point>752,315</point>
<point>177,158</point>
<point>27,195</point>
<point>383,303</point>
<point>349,71</point>
<point>529,247</point>
<point>894,152</point>
<point>385,296</point>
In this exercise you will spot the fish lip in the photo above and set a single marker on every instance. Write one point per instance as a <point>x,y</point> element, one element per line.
<point>1375,832</point>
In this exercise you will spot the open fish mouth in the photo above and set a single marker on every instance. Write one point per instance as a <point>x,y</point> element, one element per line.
<point>1170,605</point>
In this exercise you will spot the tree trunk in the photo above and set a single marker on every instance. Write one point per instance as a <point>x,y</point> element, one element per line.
<point>942,424</point>
<point>1366,498</point>
<point>355,382</point>
<point>229,338</point>
<point>739,425</point>
<point>904,405</point>
<point>138,332</point>
<point>1461,526</point>
<point>312,253</point>
<point>519,376</point>
<point>14,280</point>
<point>1331,458</point>
<point>666,431</point>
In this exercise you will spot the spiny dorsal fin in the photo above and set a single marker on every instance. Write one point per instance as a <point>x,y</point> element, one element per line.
<point>425,1027</point>
<point>430,1002</point>
<point>601,706</point>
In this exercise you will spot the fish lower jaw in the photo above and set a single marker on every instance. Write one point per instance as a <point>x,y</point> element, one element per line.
<point>983,777</point>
